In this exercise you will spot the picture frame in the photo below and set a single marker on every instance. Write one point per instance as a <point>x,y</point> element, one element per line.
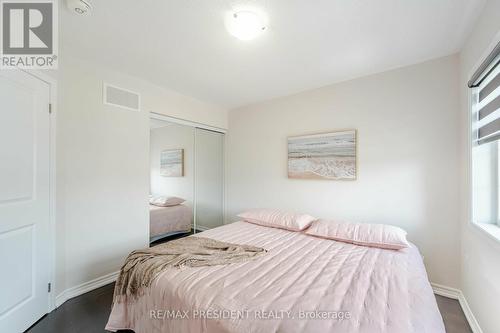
<point>328,156</point>
<point>172,163</point>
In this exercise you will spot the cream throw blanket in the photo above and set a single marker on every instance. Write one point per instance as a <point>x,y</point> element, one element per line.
<point>142,266</point>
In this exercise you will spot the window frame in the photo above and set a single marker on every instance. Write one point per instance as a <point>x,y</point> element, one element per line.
<point>492,230</point>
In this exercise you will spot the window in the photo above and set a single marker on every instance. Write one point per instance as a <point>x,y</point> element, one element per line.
<point>485,108</point>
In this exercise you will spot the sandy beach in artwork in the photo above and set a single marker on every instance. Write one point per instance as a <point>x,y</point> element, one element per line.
<point>171,163</point>
<point>322,168</point>
<point>327,156</point>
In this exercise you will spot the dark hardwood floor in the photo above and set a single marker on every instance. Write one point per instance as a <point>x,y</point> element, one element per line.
<point>453,316</point>
<point>169,238</point>
<point>89,313</point>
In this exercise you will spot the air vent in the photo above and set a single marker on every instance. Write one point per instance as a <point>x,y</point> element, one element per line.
<point>122,98</point>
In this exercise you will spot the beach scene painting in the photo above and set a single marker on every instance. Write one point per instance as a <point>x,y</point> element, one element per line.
<point>172,163</point>
<point>323,156</point>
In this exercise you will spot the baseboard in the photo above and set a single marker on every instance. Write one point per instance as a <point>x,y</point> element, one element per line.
<point>202,228</point>
<point>458,295</point>
<point>445,291</point>
<point>85,287</point>
<point>474,325</point>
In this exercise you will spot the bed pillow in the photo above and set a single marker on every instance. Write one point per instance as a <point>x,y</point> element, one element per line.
<point>165,201</point>
<point>278,219</point>
<point>375,235</point>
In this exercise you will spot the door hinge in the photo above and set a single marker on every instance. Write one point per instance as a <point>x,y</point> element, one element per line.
<point>49,287</point>
<point>50,108</point>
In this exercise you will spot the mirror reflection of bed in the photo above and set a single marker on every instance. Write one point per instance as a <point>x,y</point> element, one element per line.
<point>168,221</point>
<point>186,193</point>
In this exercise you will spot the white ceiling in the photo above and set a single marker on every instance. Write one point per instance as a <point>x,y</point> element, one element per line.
<point>183,45</point>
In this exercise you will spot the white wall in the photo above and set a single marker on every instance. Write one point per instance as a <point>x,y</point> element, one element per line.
<point>407,121</point>
<point>173,136</point>
<point>480,258</point>
<point>103,167</point>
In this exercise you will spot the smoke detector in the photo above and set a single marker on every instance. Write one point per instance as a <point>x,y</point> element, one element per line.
<point>79,7</point>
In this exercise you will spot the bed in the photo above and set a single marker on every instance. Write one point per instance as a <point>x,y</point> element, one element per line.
<point>303,284</point>
<point>168,221</point>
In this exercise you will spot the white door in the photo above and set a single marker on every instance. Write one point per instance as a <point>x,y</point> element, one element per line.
<point>24,200</point>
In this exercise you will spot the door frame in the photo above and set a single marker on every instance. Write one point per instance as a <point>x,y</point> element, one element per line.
<point>52,82</point>
<point>175,120</point>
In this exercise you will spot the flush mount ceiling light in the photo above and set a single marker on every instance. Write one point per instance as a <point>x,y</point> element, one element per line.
<point>245,25</point>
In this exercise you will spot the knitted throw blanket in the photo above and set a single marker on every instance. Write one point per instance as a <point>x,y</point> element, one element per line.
<point>142,266</point>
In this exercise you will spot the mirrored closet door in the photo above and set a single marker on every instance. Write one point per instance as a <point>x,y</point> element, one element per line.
<point>171,208</point>
<point>209,179</point>
<point>187,179</point>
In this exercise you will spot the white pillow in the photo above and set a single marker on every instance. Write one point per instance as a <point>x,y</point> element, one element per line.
<point>165,201</point>
<point>278,219</point>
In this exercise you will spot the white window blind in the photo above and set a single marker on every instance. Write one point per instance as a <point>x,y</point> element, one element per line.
<point>486,102</point>
<point>485,109</point>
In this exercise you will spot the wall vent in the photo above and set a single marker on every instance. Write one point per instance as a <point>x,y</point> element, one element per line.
<point>122,98</point>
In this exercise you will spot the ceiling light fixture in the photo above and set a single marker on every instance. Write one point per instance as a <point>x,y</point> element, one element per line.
<point>245,25</point>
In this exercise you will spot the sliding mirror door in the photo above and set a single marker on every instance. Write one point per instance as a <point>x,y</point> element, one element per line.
<point>209,179</point>
<point>172,176</point>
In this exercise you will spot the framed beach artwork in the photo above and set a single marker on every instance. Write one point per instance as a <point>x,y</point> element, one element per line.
<point>172,163</point>
<point>323,156</point>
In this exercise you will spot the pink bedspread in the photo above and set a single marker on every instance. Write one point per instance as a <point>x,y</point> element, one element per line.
<point>163,220</point>
<point>303,284</point>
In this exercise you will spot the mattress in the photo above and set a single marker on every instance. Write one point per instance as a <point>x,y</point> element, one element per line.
<point>303,284</point>
<point>165,220</point>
